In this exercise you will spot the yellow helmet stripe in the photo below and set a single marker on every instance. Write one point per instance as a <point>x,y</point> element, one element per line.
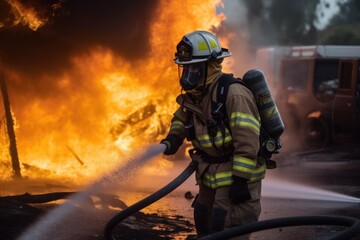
<point>203,46</point>
<point>213,44</point>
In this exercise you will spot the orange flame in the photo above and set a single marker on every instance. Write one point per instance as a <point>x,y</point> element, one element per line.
<point>107,108</point>
<point>26,16</point>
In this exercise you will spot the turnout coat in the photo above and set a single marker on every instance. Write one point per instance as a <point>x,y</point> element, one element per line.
<point>224,152</point>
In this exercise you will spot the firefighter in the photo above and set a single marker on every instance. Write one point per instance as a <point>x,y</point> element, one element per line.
<point>228,174</point>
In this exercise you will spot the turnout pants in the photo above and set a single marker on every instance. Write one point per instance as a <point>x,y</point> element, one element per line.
<point>214,212</point>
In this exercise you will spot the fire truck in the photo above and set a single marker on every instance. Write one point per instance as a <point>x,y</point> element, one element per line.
<point>317,91</point>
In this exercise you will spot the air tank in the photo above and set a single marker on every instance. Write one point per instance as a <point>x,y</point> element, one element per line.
<point>271,120</point>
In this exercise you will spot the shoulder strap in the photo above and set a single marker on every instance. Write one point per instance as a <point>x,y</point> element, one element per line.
<point>222,90</point>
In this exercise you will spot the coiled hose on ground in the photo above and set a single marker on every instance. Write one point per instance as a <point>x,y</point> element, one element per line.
<point>352,223</point>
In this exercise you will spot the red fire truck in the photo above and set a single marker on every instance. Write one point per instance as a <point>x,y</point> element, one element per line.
<point>317,91</point>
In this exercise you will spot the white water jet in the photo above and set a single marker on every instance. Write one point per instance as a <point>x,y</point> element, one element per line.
<point>49,223</point>
<point>281,189</point>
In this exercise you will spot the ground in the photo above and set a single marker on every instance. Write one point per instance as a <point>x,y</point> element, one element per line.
<point>335,170</point>
<point>16,217</point>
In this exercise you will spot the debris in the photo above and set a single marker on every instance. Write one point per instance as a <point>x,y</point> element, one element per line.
<point>75,155</point>
<point>39,198</point>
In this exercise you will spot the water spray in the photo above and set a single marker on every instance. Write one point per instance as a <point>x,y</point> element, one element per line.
<point>50,221</point>
<point>279,189</point>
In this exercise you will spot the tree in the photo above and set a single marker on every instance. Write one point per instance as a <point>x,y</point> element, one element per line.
<point>284,22</point>
<point>349,13</point>
<point>294,21</point>
<point>341,36</point>
<point>343,28</point>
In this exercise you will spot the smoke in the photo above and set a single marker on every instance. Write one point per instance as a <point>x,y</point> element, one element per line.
<point>237,31</point>
<point>70,28</point>
<point>248,27</point>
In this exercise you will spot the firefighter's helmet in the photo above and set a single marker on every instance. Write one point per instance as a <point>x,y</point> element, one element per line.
<point>192,55</point>
<point>199,46</point>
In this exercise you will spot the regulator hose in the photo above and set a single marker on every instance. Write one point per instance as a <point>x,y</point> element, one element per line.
<point>148,200</point>
<point>351,222</point>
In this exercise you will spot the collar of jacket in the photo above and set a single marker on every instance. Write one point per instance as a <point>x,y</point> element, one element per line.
<point>194,105</point>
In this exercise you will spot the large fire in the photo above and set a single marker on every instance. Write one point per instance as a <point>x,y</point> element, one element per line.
<point>106,108</point>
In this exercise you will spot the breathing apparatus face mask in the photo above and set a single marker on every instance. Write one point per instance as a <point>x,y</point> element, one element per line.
<point>191,75</point>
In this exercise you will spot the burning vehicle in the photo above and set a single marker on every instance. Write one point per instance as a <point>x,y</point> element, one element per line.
<point>317,90</point>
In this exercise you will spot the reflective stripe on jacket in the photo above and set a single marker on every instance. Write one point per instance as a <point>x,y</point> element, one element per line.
<point>241,140</point>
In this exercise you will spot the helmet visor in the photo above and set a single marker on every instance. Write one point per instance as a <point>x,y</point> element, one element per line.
<point>191,75</point>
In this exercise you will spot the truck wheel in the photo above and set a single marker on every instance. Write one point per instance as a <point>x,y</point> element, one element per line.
<point>315,133</point>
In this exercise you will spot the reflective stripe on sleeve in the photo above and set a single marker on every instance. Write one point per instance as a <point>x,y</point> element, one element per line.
<point>243,164</point>
<point>258,174</point>
<point>245,120</point>
<point>176,125</point>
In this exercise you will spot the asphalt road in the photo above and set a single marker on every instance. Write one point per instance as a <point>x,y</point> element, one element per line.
<point>292,189</point>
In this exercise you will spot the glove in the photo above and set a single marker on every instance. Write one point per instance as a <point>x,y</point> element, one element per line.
<point>172,142</point>
<point>239,190</point>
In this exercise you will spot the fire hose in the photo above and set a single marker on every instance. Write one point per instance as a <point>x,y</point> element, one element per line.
<point>149,200</point>
<point>353,224</point>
